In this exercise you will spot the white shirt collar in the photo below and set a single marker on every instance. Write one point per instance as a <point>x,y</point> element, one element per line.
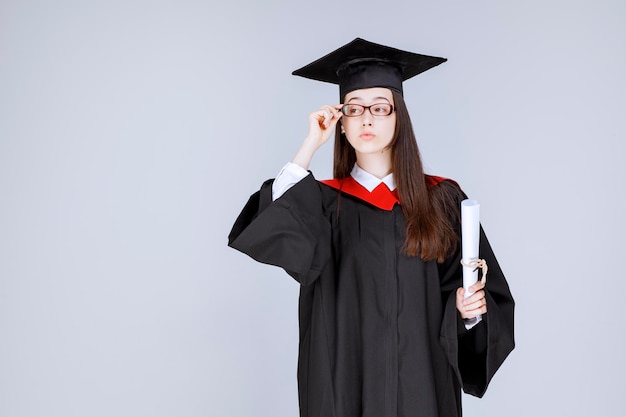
<point>370,181</point>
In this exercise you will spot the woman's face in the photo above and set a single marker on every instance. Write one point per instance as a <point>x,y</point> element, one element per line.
<point>372,131</point>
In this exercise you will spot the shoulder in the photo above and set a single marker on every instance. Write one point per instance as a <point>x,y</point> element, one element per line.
<point>441,184</point>
<point>333,183</point>
<point>446,196</point>
<point>332,188</point>
<point>433,180</point>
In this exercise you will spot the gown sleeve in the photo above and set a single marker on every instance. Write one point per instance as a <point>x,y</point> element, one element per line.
<point>291,232</point>
<point>476,354</point>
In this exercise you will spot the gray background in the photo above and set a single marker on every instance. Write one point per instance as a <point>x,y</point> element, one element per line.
<point>132,133</point>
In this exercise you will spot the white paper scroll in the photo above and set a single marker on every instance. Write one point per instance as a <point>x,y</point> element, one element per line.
<point>470,236</point>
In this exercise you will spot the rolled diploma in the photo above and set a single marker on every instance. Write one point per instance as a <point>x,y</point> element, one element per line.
<point>470,235</point>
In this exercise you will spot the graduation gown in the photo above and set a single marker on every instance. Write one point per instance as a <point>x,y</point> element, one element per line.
<point>380,335</point>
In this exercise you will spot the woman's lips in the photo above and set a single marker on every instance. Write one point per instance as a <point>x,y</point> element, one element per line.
<point>366,135</point>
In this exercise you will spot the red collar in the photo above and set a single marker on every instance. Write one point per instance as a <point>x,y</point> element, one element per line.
<point>380,197</point>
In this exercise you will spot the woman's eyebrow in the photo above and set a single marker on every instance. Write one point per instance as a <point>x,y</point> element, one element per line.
<point>374,99</point>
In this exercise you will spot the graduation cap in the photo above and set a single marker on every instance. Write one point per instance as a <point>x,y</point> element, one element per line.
<point>363,64</point>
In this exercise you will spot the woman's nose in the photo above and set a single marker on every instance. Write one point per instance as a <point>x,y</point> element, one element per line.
<point>367,118</point>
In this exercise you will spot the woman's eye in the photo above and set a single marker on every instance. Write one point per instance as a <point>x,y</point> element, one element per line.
<point>380,109</point>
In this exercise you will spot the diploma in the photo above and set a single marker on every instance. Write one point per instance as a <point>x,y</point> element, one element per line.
<point>470,235</point>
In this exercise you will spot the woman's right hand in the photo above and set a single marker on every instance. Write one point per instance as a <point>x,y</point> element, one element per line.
<point>322,123</point>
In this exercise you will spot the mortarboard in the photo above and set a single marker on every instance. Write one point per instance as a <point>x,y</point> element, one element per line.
<point>364,64</point>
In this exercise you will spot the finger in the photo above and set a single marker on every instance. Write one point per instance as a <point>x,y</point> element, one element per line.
<point>474,313</point>
<point>328,113</point>
<point>479,285</point>
<point>335,110</point>
<point>475,297</point>
<point>323,118</point>
<point>474,310</point>
<point>478,305</point>
<point>460,292</point>
<point>331,121</point>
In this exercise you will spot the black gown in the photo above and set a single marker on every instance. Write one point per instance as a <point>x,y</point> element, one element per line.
<point>380,335</point>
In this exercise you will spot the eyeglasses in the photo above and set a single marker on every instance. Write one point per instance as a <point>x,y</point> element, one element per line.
<point>378,109</point>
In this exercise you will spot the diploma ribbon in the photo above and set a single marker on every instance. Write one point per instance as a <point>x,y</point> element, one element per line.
<point>476,264</point>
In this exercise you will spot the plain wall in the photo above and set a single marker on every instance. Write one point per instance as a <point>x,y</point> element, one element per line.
<point>132,133</point>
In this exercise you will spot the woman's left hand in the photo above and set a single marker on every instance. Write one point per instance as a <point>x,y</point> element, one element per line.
<point>474,305</point>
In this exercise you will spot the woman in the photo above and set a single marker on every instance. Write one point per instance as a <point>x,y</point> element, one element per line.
<point>384,323</point>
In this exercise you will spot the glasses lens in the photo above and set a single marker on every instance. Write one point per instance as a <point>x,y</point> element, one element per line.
<point>352,110</point>
<point>381,109</point>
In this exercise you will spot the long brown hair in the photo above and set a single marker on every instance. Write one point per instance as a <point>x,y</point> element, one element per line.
<point>429,231</point>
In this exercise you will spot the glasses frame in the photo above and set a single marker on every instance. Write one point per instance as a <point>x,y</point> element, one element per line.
<point>344,109</point>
